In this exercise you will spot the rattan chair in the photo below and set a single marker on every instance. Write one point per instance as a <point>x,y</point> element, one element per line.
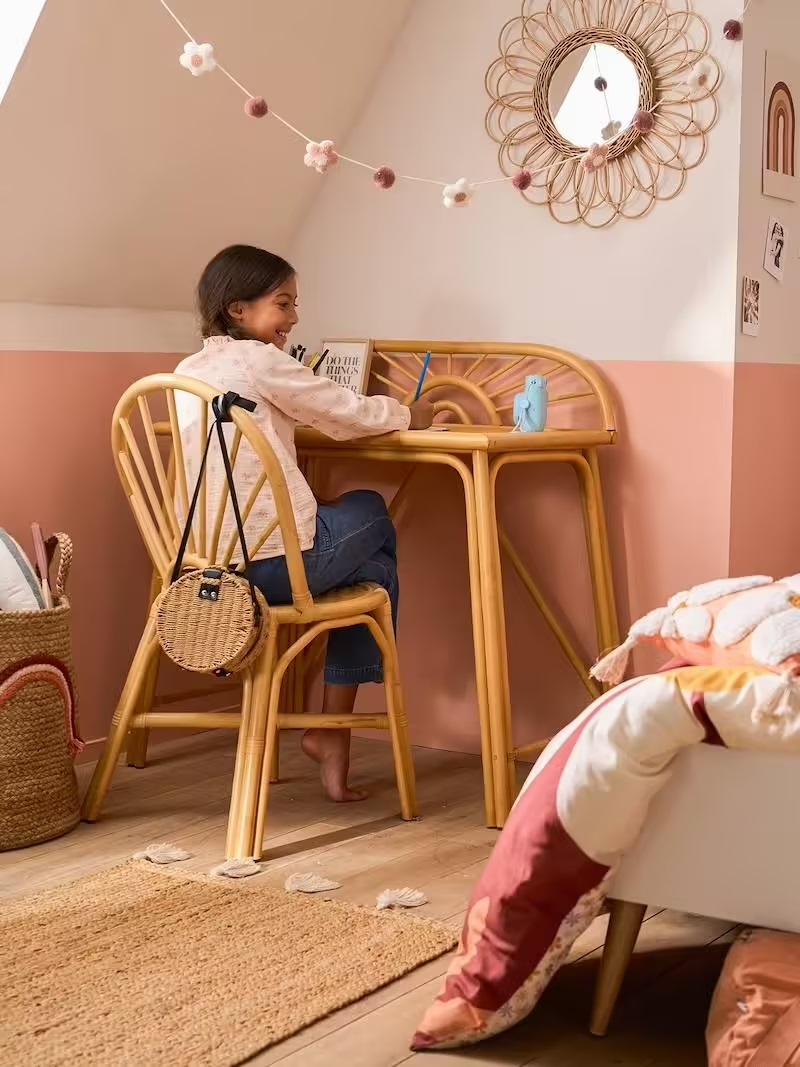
<point>153,481</point>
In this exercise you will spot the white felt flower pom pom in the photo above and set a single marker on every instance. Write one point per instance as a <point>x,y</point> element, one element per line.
<point>699,75</point>
<point>198,58</point>
<point>321,155</point>
<point>458,194</point>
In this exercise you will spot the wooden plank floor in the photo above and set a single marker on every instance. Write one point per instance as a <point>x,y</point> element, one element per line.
<point>182,798</point>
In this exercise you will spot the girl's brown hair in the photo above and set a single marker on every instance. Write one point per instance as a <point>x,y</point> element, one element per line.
<point>237,273</point>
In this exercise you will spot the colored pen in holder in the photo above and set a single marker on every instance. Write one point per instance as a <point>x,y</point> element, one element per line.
<point>530,406</point>
<point>422,373</point>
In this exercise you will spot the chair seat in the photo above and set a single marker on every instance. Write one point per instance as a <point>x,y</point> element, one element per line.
<point>363,598</point>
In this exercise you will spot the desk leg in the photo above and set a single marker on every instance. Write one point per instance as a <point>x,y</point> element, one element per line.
<point>479,641</point>
<point>612,636</point>
<point>476,603</point>
<point>605,612</point>
<point>494,627</point>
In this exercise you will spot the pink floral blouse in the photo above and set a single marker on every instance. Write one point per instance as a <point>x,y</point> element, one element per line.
<point>287,395</point>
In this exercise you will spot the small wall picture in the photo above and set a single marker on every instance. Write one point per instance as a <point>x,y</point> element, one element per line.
<point>751,295</point>
<point>775,252</point>
<point>347,363</point>
<point>781,90</point>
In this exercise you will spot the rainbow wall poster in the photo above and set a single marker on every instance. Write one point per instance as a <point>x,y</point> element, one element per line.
<point>781,103</point>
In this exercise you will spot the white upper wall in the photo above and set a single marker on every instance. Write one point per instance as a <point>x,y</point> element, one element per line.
<point>122,174</point>
<point>397,264</point>
<point>771,25</point>
<point>17,21</point>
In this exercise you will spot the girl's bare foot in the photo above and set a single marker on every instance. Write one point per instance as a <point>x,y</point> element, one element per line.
<point>331,750</point>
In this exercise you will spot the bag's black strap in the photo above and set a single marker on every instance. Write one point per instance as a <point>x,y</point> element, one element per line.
<point>222,411</point>
<point>221,406</point>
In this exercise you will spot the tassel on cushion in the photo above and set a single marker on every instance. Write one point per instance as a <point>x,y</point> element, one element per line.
<point>611,668</point>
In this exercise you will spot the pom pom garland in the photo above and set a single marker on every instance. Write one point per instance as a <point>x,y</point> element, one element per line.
<point>199,59</point>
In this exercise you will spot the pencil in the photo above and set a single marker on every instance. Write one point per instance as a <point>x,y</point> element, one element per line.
<point>317,361</point>
<point>422,374</point>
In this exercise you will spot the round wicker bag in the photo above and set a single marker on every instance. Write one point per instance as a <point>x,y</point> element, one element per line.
<point>38,733</point>
<point>212,621</point>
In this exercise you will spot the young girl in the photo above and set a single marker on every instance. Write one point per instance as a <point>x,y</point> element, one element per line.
<point>247,300</point>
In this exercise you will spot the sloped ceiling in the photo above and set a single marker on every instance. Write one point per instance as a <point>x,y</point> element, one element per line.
<point>121,174</point>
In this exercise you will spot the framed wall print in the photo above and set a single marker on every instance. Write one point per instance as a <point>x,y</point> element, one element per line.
<point>347,362</point>
<point>781,90</point>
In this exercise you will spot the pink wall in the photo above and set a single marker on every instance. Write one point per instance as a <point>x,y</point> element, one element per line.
<point>765,511</point>
<point>57,469</point>
<point>667,488</point>
<point>669,471</point>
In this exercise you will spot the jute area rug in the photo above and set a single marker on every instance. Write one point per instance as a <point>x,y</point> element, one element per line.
<point>142,965</point>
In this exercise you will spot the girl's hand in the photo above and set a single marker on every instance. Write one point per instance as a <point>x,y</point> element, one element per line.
<point>421,414</point>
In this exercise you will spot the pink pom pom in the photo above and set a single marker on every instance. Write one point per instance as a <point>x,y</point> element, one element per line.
<point>521,180</point>
<point>732,30</point>
<point>643,121</point>
<point>256,107</point>
<point>384,177</point>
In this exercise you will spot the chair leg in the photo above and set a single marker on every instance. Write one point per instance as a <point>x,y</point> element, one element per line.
<point>136,749</point>
<point>624,922</point>
<point>270,751</point>
<point>137,677</point>
<point>240,840</point>
<point>138,737</point>
<point>275,762</point>
<point>398,723</point>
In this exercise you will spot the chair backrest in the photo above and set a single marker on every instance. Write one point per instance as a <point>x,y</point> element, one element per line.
<point>476,381</point>
<point>159,476</point>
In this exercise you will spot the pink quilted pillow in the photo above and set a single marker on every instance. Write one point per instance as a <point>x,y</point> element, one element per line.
<point>754,1020</point>
<point>730,622</point>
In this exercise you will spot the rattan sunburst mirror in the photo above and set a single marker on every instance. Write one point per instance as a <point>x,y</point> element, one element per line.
<point>606,104</point>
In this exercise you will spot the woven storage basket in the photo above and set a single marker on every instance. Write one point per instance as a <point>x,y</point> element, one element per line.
<point>38,733</point>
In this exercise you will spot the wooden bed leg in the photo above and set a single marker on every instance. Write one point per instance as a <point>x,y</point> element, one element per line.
<point>625,921</point>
